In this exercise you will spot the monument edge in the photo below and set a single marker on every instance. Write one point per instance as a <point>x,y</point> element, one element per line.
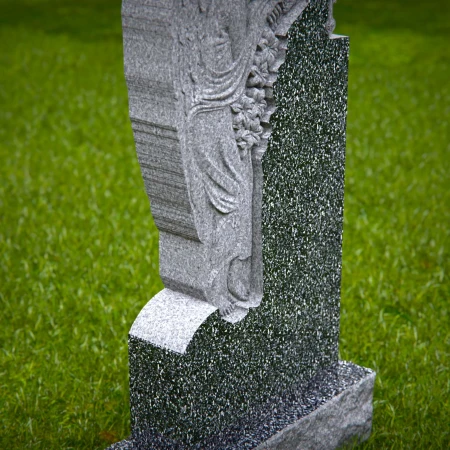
<point>342,422</point>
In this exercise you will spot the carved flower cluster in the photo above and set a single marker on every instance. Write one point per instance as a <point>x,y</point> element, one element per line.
<point>247,118</point>
<point>249,109</point>
<point>264,60</point>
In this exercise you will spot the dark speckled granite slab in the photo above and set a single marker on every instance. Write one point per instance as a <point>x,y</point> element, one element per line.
<point>288,412</point>
<point>240,385</point>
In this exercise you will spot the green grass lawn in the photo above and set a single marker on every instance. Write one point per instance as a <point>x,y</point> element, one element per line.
<point>78,247</point>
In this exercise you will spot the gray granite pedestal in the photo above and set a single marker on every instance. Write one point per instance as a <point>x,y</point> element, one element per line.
<point>186,379</point>
<point>333,411</point>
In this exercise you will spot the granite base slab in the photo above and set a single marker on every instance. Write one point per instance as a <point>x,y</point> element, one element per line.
<point>333,410</point>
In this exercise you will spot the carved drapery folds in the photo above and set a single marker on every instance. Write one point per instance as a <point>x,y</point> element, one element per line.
<point>207,68</point>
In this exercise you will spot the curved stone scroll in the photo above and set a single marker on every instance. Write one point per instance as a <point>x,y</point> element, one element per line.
<point>200,76</point>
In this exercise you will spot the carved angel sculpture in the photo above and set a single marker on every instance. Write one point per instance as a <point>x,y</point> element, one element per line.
<point>222,192</point>
<point>224,34</point>
<point>201,133</point>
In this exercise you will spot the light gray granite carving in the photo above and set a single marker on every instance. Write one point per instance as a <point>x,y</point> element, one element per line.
<point>238,109</point>
<point>200,76</point>
<point>163,320</point>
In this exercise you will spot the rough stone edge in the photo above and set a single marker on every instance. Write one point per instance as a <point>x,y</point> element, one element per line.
<point>343,421</point>
<point>126,444</point>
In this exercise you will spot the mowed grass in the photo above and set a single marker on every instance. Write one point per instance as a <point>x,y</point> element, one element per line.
<point>395,314</point>
<point>78,247</point>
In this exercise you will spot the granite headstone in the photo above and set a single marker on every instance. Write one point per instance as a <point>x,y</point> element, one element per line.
<point>238,109</point>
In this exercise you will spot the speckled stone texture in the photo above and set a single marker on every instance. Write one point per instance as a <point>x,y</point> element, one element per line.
<point>343,421</point>
<point>332,410</point>
<point>272,379</point>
